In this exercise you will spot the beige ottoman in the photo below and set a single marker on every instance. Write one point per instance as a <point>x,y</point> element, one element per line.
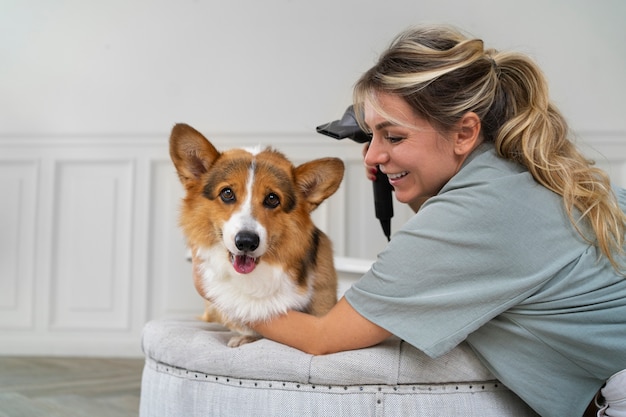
<point>190,372</point>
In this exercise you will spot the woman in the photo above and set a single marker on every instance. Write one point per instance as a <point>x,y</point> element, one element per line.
<point>518,244</point>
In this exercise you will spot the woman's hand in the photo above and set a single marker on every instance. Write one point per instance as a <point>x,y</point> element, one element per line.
<point>196,272</point>
<point>370,170</point>
<point>195,263</point>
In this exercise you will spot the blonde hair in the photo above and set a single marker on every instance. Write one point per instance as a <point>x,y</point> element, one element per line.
<point>442,75</point>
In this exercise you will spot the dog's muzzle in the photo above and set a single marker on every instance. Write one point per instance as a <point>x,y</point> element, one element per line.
<point>246,242</point>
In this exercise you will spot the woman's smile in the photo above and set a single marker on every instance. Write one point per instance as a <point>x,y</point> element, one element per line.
<point>397,176</point>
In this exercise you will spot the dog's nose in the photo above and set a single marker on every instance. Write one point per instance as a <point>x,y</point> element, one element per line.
<point>246,241</point>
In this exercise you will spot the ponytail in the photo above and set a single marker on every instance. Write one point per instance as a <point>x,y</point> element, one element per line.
<point>534,134</point>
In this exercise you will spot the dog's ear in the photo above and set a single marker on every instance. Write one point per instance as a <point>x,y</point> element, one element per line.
<point>319,179</point>
<point>191,153</point>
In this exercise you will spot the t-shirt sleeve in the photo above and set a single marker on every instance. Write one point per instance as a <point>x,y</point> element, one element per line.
<point>469,254</point>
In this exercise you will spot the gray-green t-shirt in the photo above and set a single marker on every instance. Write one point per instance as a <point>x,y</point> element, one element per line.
<point>494,260</point>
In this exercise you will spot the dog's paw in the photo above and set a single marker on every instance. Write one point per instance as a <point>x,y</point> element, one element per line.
<point>239,340</point>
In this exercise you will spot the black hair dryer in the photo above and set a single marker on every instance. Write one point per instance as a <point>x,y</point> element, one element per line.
<point>347,127</point>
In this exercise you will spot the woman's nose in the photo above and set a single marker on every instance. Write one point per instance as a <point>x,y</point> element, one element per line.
<point>376,154</point>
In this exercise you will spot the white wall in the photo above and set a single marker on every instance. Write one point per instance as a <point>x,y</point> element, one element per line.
<point>135,67</point>
<point>89,248</point>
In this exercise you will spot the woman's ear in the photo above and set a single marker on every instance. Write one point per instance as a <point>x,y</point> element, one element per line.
<point>467,135</point>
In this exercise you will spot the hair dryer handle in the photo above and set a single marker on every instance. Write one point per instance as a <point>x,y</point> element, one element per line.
<point>383,202</point>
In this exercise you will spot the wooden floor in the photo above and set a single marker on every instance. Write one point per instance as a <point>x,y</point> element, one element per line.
<point>69,387</point>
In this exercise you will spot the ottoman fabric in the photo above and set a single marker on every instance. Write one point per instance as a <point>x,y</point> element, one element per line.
<point>190,371</point>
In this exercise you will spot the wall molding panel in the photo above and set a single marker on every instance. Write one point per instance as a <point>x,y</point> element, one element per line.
<point>91,270</point>
<point>18,187</point>
<point>90,247</point>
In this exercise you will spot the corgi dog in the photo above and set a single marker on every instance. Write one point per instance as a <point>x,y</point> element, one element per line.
<point>246,216</point>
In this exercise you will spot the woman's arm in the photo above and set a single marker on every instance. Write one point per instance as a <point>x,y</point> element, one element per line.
<point>342,328</point>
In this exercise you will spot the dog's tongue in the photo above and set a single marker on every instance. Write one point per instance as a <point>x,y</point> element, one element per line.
<point>244,264</point>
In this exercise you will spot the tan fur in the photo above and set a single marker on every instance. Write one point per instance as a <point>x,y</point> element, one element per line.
<point>290,230</point>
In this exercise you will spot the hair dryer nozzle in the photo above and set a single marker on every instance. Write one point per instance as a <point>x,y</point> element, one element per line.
<point>346,127</point>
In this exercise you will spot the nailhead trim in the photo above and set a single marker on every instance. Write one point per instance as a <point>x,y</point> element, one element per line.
<point>298,386</point>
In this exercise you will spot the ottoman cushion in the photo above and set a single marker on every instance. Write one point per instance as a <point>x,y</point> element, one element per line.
<point>190,371</point>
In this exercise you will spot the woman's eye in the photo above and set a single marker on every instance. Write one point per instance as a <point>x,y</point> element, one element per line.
<point>394,139</point>
<point>271,201</point>
<point>227,195</point>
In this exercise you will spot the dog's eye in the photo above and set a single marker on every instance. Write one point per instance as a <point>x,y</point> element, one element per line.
<point>227,195</point>
<point>271,201</point>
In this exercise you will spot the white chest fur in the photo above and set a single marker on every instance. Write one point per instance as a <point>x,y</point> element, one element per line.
<point>265,292</point>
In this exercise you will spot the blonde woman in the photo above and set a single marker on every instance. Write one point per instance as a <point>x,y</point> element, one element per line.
<point>518,244</point>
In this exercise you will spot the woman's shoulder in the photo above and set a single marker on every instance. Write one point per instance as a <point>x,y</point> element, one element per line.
<point>620,193</point>
<point>493,193</point>
<point>485,173</point>
<point>485,164</point>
